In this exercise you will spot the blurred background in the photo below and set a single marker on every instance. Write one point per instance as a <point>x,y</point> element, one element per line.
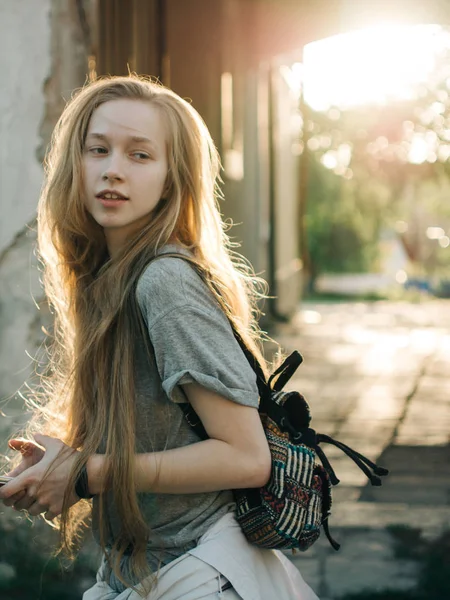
<point>332,119</point>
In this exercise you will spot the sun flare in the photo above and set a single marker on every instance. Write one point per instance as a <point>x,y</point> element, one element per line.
<point>373,65</point>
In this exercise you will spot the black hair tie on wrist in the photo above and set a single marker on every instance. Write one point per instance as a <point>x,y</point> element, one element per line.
<point>82,485</point>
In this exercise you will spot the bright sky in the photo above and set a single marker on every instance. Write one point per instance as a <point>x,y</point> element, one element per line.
<point>371,65</point>
<point>376,65</point>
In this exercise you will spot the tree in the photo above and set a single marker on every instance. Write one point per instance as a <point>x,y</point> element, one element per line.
<point>343,228</point>
<point>362,165</point>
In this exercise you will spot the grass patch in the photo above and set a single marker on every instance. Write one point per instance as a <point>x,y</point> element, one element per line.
<point>397,294</point>
<point>329,297</point>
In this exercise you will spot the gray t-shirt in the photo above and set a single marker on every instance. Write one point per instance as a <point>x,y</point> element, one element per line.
<point>193,342</point>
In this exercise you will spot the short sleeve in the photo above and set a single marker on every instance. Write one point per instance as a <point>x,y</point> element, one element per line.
<point>192,339</point>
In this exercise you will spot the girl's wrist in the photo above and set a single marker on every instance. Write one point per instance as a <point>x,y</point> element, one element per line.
<point>95,470</point>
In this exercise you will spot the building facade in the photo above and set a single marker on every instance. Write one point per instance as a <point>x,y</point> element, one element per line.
<point>227,56</point>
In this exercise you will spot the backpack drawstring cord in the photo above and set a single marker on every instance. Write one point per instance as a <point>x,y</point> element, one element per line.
<point>359,459</point>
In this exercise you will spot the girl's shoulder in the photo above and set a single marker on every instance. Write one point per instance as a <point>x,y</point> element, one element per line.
<point>168,275</point>
<point>168,283</point>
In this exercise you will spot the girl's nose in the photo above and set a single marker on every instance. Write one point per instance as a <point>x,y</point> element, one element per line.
<point>113,169</point>
<point>110,175</point>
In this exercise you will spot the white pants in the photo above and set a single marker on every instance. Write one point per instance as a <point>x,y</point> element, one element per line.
<point>222,554</point>
<point>186,577</point>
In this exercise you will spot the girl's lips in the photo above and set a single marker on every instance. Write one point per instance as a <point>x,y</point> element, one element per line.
<point>109,202</point>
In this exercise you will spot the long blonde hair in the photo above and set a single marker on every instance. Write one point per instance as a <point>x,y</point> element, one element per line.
<point>88,322</point>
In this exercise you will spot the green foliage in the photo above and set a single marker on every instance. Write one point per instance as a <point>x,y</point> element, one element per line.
<point>342,226</point>
<point>348,205</point>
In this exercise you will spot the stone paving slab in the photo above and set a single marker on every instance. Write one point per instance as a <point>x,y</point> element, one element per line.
<point>431,518</point>
<point>365,562</point>
<point>377,377</point>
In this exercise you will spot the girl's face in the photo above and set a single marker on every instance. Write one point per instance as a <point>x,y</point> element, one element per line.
<point>124,167</point>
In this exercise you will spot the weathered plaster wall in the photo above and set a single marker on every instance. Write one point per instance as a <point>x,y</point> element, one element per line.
<point>20,326</point>
<point>24,65</point>
<point>25,62</point>
<point>44,45</point>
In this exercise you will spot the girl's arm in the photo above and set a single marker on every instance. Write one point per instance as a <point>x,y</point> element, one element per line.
<point>236,455</point>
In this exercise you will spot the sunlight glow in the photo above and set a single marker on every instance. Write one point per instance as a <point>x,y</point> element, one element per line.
<point>419,150</point>
<point>374,65</point>
<point>435,233</point>
<point>312,317</point>
<point>401,276</point>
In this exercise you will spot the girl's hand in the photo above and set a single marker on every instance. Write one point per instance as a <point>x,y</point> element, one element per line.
<point>31,455</point>
<point>40,486</point>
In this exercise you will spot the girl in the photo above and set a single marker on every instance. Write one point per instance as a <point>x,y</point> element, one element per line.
<point>132,175</point>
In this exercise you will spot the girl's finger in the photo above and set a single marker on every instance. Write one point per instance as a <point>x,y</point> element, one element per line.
<point>18,470</point>
<point>17,442</point>
<point>18,484</point>
<point>25,502</point>
<point>36,509</point>
<point>25,447</point>
<point>15,498</point>
<point>49,515</point>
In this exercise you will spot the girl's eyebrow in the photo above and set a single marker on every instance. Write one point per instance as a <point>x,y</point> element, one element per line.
<point>133,138</point>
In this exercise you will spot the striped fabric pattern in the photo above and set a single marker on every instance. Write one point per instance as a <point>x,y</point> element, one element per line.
<point>288,512</point>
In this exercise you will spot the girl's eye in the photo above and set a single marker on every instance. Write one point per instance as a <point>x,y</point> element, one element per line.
<point>141,155</point>
<point>98,150</point>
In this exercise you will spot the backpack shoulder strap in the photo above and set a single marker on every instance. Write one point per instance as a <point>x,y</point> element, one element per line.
<point>286,370</point>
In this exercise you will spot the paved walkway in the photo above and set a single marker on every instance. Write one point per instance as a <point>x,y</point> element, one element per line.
<point>377,377</point>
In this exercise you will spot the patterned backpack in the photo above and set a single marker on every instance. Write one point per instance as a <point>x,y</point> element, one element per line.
<point>289,510</point>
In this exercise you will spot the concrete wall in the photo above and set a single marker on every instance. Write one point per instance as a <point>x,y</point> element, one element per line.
<point>44,45</point>
<point>24,65</point>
